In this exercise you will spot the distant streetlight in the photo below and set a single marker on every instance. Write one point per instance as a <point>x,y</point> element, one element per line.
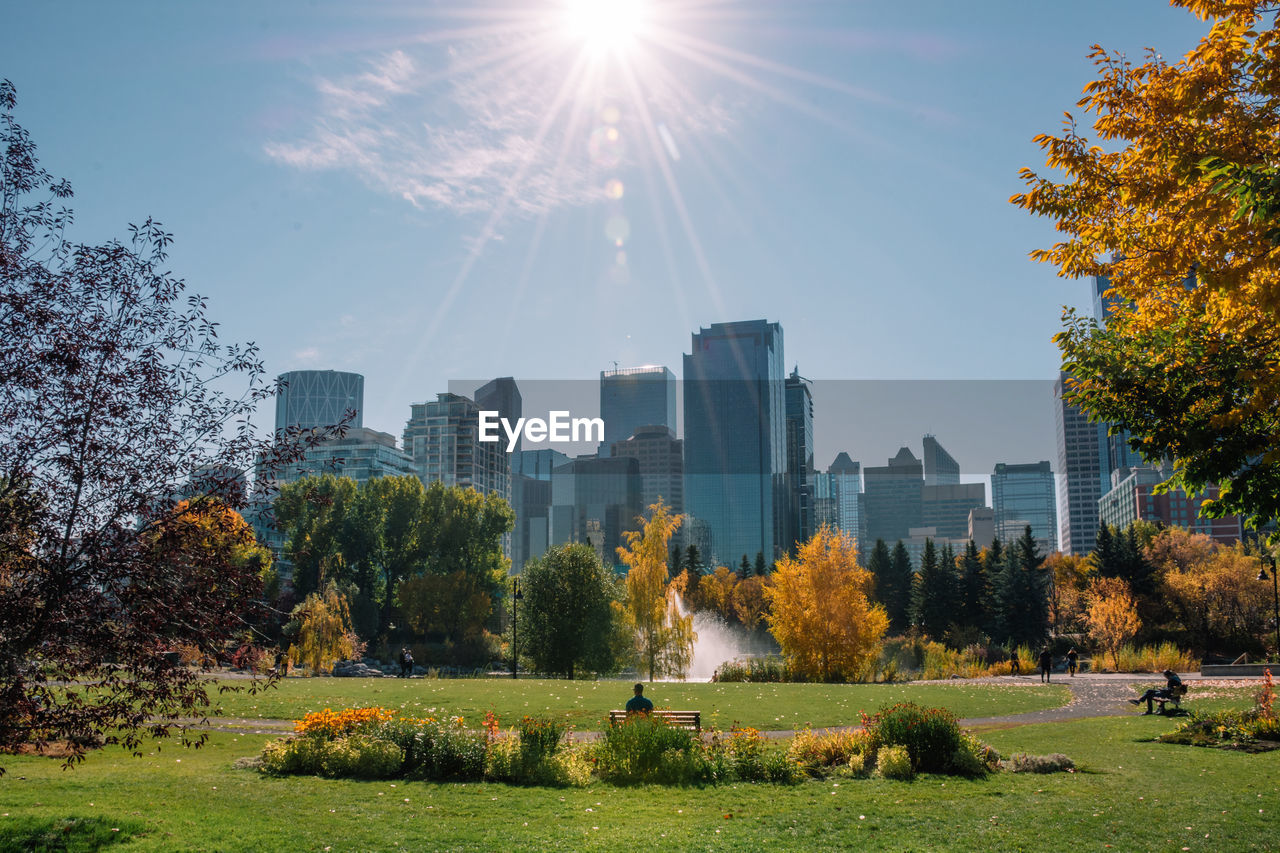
<point>1275,596</point>
<point>516,595</point>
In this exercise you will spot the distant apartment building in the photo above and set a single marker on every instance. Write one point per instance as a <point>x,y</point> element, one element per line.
<point>501,395</point>
<point>735,438</point>
<point>661,459</point>
<point>837,496</point>
<point>1021,495</point>
<point>940,469</point>
<point>595,501</point>
<point>946,508</point>
<point>892,499</point>
<point>634,397</point>
<point>1133,498</point>
<point>318,398</point>
<point>800,495</point>
<point>362,454</point>
<point>443,439</point>
<point>531,500</point>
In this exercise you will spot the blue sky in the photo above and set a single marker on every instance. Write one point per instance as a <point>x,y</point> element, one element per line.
<point>413,192</point>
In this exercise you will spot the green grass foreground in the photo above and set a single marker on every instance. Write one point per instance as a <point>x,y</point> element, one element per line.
<point>1130,793</point>
<point>586,703</point>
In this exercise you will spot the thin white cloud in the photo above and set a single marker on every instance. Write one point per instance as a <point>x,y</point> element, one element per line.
<point>487,128</point>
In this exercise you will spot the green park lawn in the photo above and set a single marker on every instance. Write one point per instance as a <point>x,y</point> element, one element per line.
<point>1129,793</point>
<point>586,703</point>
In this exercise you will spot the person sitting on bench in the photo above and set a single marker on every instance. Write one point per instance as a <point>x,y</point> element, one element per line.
<point>638,704</point>
<point>1172,681</point>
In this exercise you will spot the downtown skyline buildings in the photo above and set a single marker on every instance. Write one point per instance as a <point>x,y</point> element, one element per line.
<point>736,398</point>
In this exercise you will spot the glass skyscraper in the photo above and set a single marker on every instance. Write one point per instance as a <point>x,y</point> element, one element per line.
<point>800,470</point>
<point>735,438</point>
<point>633,397</point>
<point>318,398</point>
<point>1022,495</point>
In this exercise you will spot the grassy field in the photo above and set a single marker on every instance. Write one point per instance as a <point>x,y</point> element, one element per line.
<point>1130,794</point>
<point>586,703</point>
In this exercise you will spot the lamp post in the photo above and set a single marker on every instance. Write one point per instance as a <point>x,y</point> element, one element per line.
<point>516,596</point>
<point>1275,596</point>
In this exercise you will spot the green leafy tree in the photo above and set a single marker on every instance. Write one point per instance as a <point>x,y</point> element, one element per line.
<point>312,513</point>
<point>566,614</point>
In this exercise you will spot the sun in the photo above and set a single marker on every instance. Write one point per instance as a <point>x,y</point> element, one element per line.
<point>605,26</point>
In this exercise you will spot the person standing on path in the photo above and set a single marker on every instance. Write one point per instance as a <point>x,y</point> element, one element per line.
<point>1046,665</point>
<point>1073,658</point>
<point>1013,663</point>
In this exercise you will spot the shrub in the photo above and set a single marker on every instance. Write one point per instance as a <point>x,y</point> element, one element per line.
<point>745,748</point>
<point>1024,763</point>
<point>779,769</point>
<point>931,736</point>
<point>294,756</point>
<point>974,758</point>
<point>893,762</point>
<point>942,662</point>
<point>754,670</point>
<point>539,739</point>
<point>637,750</point>
<point>815,754</point>
<point>1153,659</point>
<point>362,757</point>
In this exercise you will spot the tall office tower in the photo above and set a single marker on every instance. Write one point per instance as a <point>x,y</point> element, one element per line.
<point>502,396</point>
<point>1022,495</point>
<point>632,397</point>
<point>939,468</point>
<point>317,398</point>
<point>735,457</point>
<point>1082,466</point>
<point>836,494</point>
<point>595,501</point>
<point>531,501</point>
<point>800,524</point>
<point>443,438</point>
<point>982,526</point>
<point>661,458</point>
<point>892,500</point>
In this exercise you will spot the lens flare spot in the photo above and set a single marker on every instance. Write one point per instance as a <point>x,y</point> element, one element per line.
<point>614,189</point>
<point>617,229</point>
<point>605,147</point>
<point>610,115</point>
<point>621,258</point>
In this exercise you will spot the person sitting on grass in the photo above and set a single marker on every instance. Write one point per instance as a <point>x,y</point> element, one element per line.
<point>1172,681</point>
<point>638,704</point>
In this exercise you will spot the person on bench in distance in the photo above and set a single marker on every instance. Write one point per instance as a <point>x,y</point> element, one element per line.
<point>638,704</point>
<point>1172,681</point>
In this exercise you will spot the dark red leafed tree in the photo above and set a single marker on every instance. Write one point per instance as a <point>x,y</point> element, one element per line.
<point>115,396</point>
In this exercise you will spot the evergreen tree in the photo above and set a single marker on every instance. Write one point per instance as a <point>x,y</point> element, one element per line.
<point>975,590</point>
<point>676,564</point>
<point>744,567</point>
<point>933,599</point>
<point>693,560</point>
<point>761,568</point>
<point>878,563</point>
<point>896,595</point>
<point>1022,593</point>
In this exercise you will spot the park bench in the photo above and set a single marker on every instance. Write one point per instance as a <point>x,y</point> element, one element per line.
<point>1175,695</point>
<point>682,719</point>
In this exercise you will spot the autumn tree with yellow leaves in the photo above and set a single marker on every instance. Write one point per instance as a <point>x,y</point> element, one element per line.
<point>1112,615</point>
<point>325,635</point>
<point>820,610</point>
<point>664,637</point>
<point>1176,201</point>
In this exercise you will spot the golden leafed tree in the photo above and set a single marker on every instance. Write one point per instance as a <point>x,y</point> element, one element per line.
<point>1112,615</point>
<point>748,601</point>
<point>1173,196</point>
<point>718,592</point>
<point>820,610</point>
<point>325,635</point>
<point>664,637</point>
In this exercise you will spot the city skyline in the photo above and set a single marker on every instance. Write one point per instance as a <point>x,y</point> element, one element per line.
<point>831,164</point>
